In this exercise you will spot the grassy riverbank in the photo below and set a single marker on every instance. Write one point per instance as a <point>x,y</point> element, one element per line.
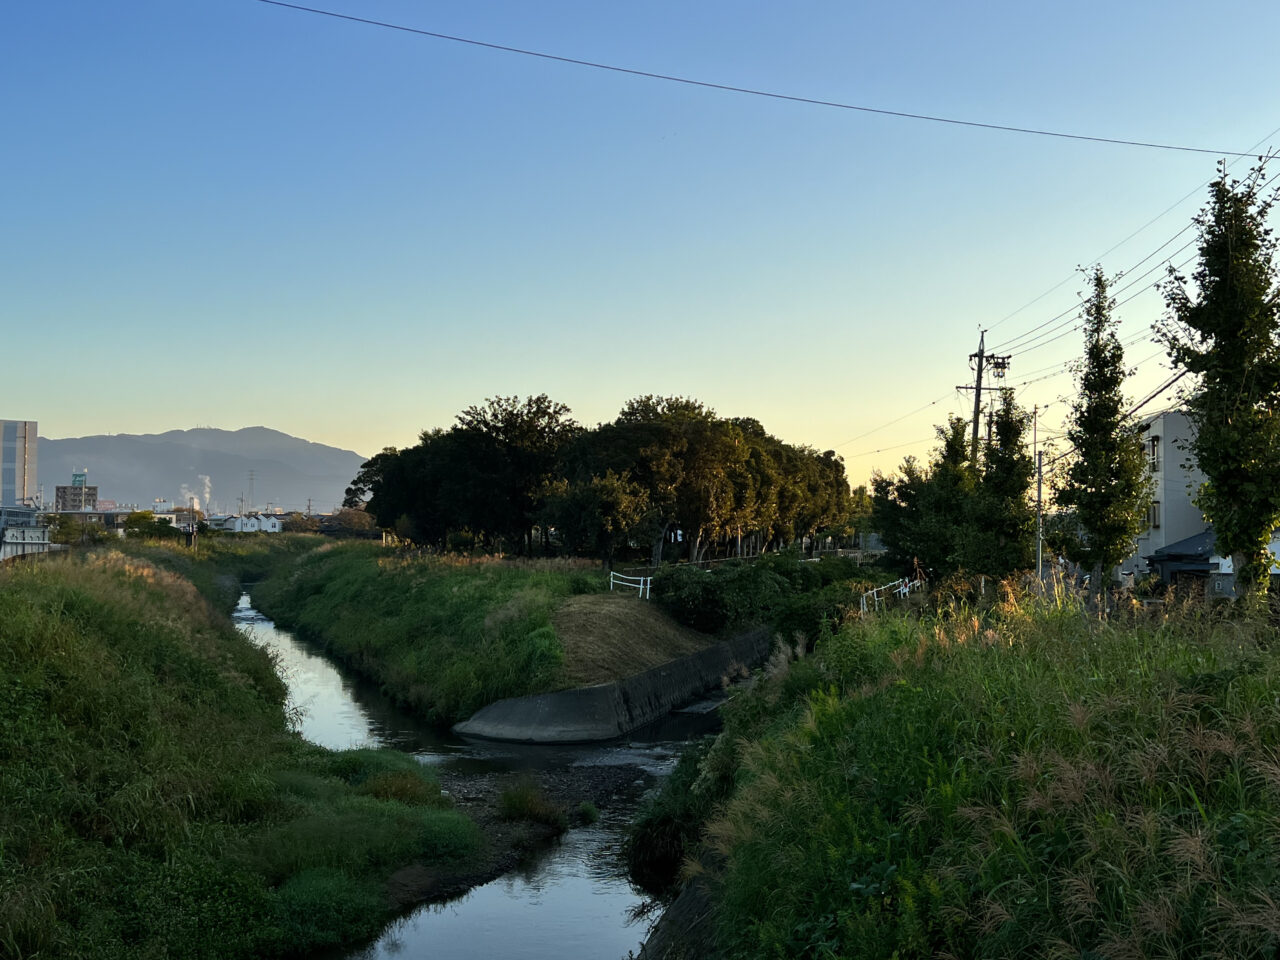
<point>155,803</point>
<point>1027,781</point>
<point>444,636</point>
<point>222,562</point>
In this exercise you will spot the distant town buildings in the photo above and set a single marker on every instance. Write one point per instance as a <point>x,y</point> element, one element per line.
<point>249,523</point>
<point>18,462</point>
<point>75,496</point>
<point>20,531</point>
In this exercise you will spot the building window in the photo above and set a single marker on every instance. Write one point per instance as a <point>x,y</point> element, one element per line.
<point>1153,515</point>
<point>1153,454</point>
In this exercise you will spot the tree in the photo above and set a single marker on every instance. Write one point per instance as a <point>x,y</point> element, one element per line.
<point>595,516</point>
<point>958,516</point>
<point>1001,528</point>
<point>923,516</point>
<point>143,523</point>
<point>1227,333</point>
<point>1106,488</point>
<point>515,450</point>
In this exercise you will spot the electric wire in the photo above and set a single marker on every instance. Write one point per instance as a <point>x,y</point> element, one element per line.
<point>1159,216</point>
<point>892,422</point>
<point>750,91</point>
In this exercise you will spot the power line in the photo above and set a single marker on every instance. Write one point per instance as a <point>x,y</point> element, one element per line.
<point>1159,216</point>
<point>730,88</point>
<point>892,422</point>
<point>1016,344</point>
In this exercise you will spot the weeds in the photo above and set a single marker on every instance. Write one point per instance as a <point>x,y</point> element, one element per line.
<point>155,803</point>
<point>525,800</point>
<point>1021,781</point>
<point>444,635</point>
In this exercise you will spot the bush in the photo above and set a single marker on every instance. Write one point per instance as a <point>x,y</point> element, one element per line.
<point>525,800</point>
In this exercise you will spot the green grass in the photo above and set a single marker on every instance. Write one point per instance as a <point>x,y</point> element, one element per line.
<point>153,802</point>
<point>444,636</point>
<point>525,800</point>
<point>222,562</point>
<point>1028,782</point>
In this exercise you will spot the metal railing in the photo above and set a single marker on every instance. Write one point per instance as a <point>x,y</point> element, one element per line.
<point>642,585</point>
<point>899,588</point>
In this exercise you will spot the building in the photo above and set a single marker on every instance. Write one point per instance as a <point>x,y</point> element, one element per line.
<point>250,523</point>
<point>18,439</point>
<point>77,495</point>
<point>1172,517</point>
<point>21,533</point>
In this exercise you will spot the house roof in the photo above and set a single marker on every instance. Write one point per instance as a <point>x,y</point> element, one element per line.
<point>1198,547</point>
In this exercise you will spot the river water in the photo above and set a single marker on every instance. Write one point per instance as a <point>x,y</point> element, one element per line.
<point>572,902</point>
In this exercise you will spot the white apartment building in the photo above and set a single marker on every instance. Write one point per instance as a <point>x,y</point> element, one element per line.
<point>1177,479</point>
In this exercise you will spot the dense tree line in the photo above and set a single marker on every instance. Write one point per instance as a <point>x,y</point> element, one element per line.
<point>960,514</point>
<point>523,476</point>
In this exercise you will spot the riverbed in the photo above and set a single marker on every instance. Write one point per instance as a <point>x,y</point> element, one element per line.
<point>571,900</point>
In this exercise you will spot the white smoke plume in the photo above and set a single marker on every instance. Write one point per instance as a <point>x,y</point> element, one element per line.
<point>198,500</point>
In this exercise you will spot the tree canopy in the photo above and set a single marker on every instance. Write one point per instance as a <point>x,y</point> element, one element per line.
<point>954,515</point>
<point>666,475</point>
<point>1106,486</point>
<point>1224,329</point>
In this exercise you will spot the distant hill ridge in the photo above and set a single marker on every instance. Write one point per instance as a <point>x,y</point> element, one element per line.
<point>210,464</point>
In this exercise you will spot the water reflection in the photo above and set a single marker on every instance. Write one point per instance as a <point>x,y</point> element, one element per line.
<point>571,902</point>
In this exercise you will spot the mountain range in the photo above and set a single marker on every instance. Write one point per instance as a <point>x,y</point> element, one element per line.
<point>265,467</point>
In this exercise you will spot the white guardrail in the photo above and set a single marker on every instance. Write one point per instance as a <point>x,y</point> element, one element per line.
<point>899,588</point>
<point>642,585</point>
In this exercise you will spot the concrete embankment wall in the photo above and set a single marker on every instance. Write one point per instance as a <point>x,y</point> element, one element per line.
<point>609,710</point>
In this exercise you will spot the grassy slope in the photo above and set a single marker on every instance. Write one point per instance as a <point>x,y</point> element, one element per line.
<point>154,803</point>
<point>1030,782</point>
<point>222,562</point>
<point>609,636</point>
<point>443,636</point>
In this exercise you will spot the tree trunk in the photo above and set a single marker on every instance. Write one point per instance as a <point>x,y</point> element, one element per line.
<point>658,544</point>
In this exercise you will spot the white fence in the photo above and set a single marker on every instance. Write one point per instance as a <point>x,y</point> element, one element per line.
<point>880,595</point>
<point>642,585</point>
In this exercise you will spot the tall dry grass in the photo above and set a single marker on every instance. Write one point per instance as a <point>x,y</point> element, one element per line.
<point>1022,781</point>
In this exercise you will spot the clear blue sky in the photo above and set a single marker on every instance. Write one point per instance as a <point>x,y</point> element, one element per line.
<point>227,213</point>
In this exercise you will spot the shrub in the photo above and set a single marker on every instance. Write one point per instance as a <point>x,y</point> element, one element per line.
<point>525,800</point>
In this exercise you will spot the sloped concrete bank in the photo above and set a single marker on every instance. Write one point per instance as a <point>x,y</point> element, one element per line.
<point>609,710</point>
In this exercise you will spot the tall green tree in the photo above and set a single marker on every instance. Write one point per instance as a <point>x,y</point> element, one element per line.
<point>515,449</point>
<point>960,516</point>
<point>1001,521</point>
<point>1226,331</point>
<point>924,514</point>
<point>1106,488</point>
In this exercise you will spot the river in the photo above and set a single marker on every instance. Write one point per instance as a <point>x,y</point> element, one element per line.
<point>571,902</point>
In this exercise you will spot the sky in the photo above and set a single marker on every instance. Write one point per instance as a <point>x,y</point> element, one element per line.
<point>228,213</point>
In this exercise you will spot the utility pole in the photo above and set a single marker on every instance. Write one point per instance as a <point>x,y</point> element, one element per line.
<point>250,491</point>
<point>998,367</point>
<point>308,508</point>
<point>1035,445</point>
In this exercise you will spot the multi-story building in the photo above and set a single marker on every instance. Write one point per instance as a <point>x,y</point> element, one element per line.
<point>1176,479</point>
<point>17,462</point>
<point>77,495</point>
